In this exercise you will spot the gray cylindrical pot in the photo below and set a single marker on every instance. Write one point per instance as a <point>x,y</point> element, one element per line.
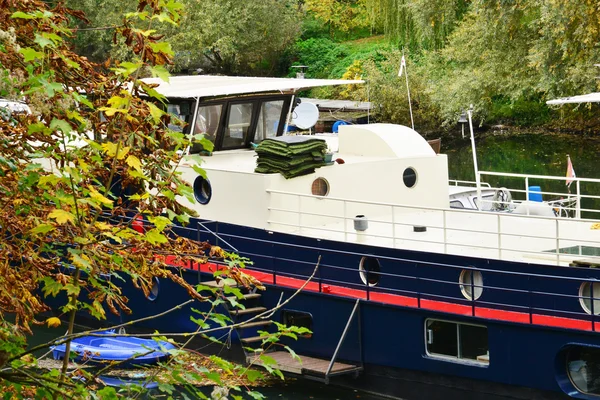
<point>361,223</point>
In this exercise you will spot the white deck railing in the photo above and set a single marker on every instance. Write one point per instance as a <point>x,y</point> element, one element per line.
<point>570,202</point>
<point>503,236</point>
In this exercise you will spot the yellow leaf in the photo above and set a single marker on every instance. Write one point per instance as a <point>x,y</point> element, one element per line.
<point>62,216</point>
<point>103,226</point>
<point>122,153</point>
<point>94,194</point>
<point>53,322</point>
<point>111,150</point>
<point>134,162</point>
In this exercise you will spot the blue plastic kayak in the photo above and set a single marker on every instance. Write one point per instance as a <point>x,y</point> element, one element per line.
<point>128,349</point>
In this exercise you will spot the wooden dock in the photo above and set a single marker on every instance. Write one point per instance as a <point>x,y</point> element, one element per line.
<point>308,366</point>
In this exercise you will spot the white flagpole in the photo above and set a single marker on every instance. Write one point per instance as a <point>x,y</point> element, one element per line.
<point>403,68</point>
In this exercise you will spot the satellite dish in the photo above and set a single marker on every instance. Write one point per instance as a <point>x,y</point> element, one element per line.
<point>305,115</point>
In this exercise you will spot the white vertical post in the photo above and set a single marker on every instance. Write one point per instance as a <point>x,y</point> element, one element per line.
<point>499,238</point>
<point>393,228</point>
<point>474,150</point>
<point>345,223</point>
<point>578,209</point>
<point>557,243</point>
<point>412,121</point>
<point>193,127</point>
<point>289,116</point>
<point>299,214</point>
<point>527,192</point>
<point>445,233</point>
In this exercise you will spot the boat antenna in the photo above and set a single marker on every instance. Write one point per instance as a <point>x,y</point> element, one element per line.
<point>474,151</point>
<point>403,68</point>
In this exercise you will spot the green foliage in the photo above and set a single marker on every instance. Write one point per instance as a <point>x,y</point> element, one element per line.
<point>388,91</point>
<point>418,24</point>
<point>340,16</point>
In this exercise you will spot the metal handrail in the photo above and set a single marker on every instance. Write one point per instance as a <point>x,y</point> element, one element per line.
<point>444,211</point>
<point>341,341</point>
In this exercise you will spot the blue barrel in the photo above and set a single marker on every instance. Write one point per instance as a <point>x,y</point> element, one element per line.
<point>336,126</point>
<point>535,194</point>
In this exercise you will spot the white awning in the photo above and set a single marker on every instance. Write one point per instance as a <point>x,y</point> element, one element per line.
<point>584,98</point>
<point>210,86</point>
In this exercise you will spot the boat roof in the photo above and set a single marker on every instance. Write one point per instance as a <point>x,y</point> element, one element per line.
<point>339,105</point>
<point>584,98</point>
<point>193,86</point>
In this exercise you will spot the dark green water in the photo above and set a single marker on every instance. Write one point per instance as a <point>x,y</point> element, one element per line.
<point>532,154</point>
<point>535,154</point>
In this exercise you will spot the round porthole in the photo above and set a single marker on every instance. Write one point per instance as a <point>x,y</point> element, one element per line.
<point>585,297</point>
<point>410,177</point>
<point>202,190</point>
<point>154,290</point>
<point>320,187</point>
<point>369,270</point>
<point>471,281</point>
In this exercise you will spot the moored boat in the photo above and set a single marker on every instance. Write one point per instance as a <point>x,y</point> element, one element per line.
<point>471,302</point>
<point>126,350</point>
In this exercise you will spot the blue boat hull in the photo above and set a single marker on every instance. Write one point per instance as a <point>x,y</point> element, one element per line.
<point>126,350</point>
<point>531,313</point>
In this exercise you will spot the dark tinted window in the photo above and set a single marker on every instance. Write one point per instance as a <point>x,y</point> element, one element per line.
<point>583,367</point>
<point>409,177</point>
<point>455,340</point>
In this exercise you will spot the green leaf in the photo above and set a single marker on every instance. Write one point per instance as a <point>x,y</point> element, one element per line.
<point>43,41</point>
<point>158,71</point>
<point>153,236</point>
<point>51,287</point>
<point>42,229</point>
<point>213,376</point>
<point>266,360</point>
<point>199,171</point>
<point>60,125</point>
<point>293,354</point>
<point>36,127</point>
<point>159,222</point>
<point>107,393</point>
<point>155,112</point>
<point>256,395</point>
<point>51,87</point>
<point>30,54</point>
<point>165,387</point>
<point>253,375</point>
<point>80,261</point>
<point>162,47</point>
<point>126,68</point>
<point>22,15</point>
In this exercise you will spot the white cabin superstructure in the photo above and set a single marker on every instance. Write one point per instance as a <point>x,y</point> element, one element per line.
<point>385,176</point>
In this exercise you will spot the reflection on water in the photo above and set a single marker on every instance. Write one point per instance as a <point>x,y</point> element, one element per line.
<point>534,154</point>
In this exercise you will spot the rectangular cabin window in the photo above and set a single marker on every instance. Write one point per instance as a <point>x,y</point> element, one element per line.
<point>456,204</point>
<point>238,126</point>
<point>207,124</point>
<point>268,120</point>
<point>456,341</point>
<point>175,111</point>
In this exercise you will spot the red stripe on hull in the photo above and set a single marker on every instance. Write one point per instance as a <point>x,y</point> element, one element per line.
<point>398,300</point>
